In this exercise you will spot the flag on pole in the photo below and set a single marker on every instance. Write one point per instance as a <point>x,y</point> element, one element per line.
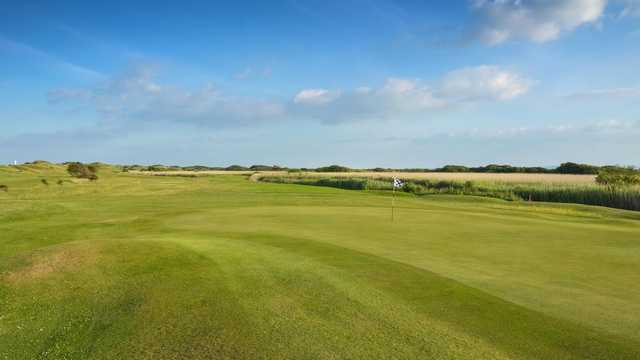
<point>397,183</point>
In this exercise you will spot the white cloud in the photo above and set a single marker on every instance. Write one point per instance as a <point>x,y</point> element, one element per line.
<point>138,96</point>
<point>316,96</point>
<point>400,98</point>
<point>535,20</point>
<point>484,83</point>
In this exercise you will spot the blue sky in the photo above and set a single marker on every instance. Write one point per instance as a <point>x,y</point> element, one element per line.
<point>309,83</point>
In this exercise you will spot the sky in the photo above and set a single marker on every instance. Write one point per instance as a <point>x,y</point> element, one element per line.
<point>362,83</point>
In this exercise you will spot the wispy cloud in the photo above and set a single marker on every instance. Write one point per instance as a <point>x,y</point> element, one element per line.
<point>47,59</point>
<point>608,128</point>
<point>138,96</point>
<point>630,8</point>
<point>611,93</point>
<point>534,20</point>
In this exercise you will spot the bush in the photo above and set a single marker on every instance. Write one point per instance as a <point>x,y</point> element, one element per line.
<point>573,168</point>
<point>45,182</point>
<point>413,188</point>
<point>453,168</point>
<point>4,188</point>
<point>333,168</point>
<point>82,171</point>
<point>618,177</point>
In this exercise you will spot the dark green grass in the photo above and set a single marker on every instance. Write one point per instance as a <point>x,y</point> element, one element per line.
<point>148,267</point>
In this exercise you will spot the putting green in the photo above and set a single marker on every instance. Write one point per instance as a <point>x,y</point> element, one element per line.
<point>222,267</point>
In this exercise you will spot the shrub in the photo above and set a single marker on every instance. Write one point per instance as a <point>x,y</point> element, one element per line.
<point>60,182</point>
<point>4,188</point>
<point>573,168</point>
<point>333,168</point>
<point>82,171</point>
<point>411,187</point>
<point>618,177</point>
<point>453,168</point>
<point>45,182</point>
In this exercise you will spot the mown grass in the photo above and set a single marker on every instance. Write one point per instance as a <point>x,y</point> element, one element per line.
<point>627,198</point>
<point>144,267</point>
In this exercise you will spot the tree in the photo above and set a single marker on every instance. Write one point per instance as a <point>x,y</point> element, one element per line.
<point>573,168</point>
<point>82,171</point>
<point>453,168</point>
<point>333,168</point>
<point>615,177</point>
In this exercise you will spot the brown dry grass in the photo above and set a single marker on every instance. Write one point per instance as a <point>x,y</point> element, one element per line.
<point>64,258</point>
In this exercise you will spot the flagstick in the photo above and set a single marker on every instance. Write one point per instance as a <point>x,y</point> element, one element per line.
<point>393,201</point>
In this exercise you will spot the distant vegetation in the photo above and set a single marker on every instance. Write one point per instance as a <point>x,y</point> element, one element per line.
<point>615,178</point>
<point>616,188</point>
<point>564,168</point>
<point>82,171</point>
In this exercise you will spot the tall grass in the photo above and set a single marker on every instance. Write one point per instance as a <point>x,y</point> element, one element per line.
<point>627,198</point>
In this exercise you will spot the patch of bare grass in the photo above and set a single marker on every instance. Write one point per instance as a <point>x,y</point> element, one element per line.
<point>64,258</point>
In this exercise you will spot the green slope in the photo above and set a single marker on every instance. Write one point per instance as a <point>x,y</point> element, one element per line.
<point>222,267</point>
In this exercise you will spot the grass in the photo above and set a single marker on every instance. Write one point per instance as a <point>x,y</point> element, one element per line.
<point>217,266</point>
<point>627,198</point>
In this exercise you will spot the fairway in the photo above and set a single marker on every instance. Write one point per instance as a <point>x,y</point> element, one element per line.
<point>222,267</point>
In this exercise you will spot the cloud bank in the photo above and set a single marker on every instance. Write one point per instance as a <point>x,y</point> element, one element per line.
<point>534,20</point>
<point>399,98</point>
<point>137,96</point>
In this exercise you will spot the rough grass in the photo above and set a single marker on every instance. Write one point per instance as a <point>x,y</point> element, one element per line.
<point>221,267</point>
